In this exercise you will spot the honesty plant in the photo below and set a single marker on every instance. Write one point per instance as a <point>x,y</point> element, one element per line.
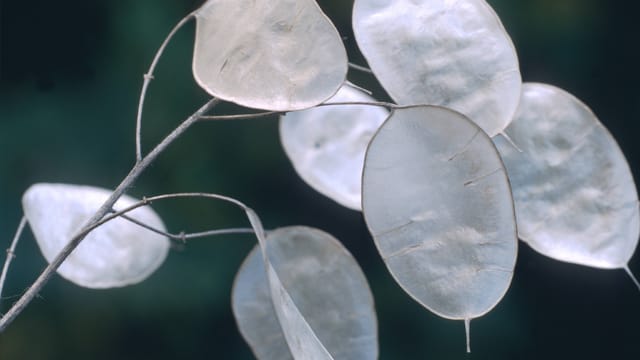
<point>444,205</point>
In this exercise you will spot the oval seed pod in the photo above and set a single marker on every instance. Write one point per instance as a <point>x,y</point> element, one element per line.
<point>439,52</point>
<point>276,55</point>
<point>302,340</point>
<point>340,310</point>
<point>326,145</point>
<point>437,202</point>
<point>115,254</point>
<point>575,197</point>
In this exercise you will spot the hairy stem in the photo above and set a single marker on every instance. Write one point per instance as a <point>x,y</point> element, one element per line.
<point>135,172</point>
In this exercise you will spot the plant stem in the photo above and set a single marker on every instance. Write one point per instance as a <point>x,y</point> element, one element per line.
<point>11,254</point>
<point>147,80</point>
<point>135,172</point>
<point>360,68</point>
<point>242,116</point>
<point>183,237</point>
<point>272,113</point>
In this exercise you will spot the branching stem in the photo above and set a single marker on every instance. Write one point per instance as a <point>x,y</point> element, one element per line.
<point>141,164</point>
<point>135,172</point>
<point>183,237</point>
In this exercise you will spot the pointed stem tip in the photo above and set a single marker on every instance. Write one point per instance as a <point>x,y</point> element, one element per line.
<point>467,330</point>
<point>633,278</point>
<point>510,141</point>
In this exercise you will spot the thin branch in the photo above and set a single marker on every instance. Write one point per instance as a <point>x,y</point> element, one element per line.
<point>383,104</point>
<point>183,237</point>
<point>147,80</point>
<point>360,68</point>
<point>148,200</point>
<point>218,232</point>
<point>11,253</point>
<point>241,116</point>
<point>135,172</point>
<point>358,87</point>
<point>342,103</point>
<point>633,278</point>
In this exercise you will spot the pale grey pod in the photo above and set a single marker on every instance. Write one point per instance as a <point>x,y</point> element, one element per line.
<point>441,52</point>
<point>301,339</point>
<point>437,201</point>
<point>575,196</point>
<point>326,285</point>
<point>115,254</point>
<point>326,144</point>
<point>276,55</point>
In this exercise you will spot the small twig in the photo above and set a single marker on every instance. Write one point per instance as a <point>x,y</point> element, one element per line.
<point>358,87</point>
<point>270,113</point>
<point>633,278</point>
<point>217,232</point>
<point>11,253</point>
<point>360,68</point>
<point>135,172</point>
<point>148,76</point>
<point>368,103</point>
<point>148,200</point>
<point>241,116</point>
<point>183,237</point>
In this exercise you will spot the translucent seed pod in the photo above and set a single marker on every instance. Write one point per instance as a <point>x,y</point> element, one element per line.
<point>276,55</point>
<point>118,253</point>
<point>326,145</point>
<point>340,311</point>
<point>440,52</point>
<point>437,202</point>
<point>575,197</point>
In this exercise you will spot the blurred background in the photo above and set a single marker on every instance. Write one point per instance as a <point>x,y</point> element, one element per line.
<point>70,75</point>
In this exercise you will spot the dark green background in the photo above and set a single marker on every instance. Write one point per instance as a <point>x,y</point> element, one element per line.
<point>70,73</point>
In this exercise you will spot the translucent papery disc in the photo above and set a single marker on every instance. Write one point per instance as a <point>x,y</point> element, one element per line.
<point>115,254</point>
<point>277,55</point>
<point>327,144</point>
<point>575,197</point>
<point>325,283</point>
<point>441,52</point>
<point>437,201</point>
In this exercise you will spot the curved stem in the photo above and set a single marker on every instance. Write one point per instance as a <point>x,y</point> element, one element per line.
<point>135,172</point>
<point>147,80</point>
<point>11,253</point>
<point>183,237</point>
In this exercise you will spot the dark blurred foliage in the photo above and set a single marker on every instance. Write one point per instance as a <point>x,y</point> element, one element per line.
<point>70,73</point>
